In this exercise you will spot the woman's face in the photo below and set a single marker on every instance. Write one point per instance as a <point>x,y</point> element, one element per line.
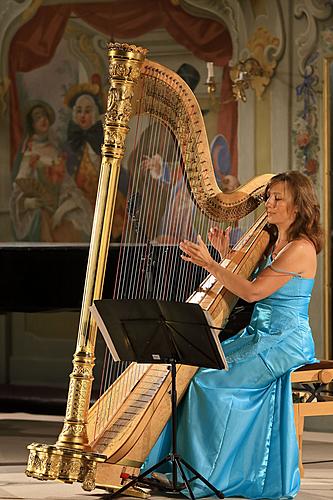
<point>280,206</point>
<point>40,120</point>
<point>84,112</point>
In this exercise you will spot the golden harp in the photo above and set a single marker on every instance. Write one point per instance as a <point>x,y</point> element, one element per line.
<point>108,442</point>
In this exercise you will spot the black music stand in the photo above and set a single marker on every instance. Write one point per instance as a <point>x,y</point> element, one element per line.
<point>154,331</point>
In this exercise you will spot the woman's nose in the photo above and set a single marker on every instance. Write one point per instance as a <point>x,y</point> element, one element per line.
<point>269,201</point>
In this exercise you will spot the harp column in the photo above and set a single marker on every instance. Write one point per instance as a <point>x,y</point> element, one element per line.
<point>71,458</point>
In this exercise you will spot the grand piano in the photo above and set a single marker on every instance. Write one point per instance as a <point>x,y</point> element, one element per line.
<point>43,277</point>
<point>40,278</point>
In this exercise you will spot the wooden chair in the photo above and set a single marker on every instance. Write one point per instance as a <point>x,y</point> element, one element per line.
<point>312,396</point>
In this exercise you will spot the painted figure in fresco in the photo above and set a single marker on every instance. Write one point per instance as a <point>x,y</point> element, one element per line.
<point>45,204</point>
<point>161,180</point>
<point>84,137</point>
<point>227,182</point>
<point>167,207</point>
<point>83,147</point>
<point>221,159</point>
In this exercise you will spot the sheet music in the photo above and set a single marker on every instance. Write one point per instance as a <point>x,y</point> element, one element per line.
<point>102,328</point>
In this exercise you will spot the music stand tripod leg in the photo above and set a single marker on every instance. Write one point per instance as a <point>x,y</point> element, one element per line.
<point>177,459</point>
<point>186,481</point>
<point>197,475</point>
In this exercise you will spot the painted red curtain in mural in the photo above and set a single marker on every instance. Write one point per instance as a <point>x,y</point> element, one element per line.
<point>35,43</point>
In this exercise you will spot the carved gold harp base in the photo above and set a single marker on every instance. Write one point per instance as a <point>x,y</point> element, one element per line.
<point>67,465</point>
<point>49,462</point>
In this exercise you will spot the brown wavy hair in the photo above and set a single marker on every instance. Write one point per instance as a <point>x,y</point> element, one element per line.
<point>307,222</point>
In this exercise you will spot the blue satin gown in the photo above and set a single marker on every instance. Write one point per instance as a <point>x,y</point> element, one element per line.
<point>236,427</point>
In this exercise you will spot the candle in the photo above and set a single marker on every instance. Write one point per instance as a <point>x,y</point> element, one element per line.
<point>210,69</point>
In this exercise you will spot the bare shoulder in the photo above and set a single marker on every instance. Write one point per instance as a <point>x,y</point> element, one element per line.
<point>301,246</point>
<point>300,257</point>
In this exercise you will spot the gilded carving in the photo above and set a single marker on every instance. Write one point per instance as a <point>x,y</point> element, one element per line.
<point>54,466</point>
<point>88,477</point>
<point>126,47</point>
<point>257,70</point>
<point>82,370</point>
<point>119,105</point>
<point>114,137</point>
<point>48,462</point>
<point>77,462</point>
<point>123,70</point>
<point>118,70</point>
<point>73,429</point>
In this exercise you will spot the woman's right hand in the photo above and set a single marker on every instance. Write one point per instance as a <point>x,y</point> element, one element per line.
<point>220,239</point>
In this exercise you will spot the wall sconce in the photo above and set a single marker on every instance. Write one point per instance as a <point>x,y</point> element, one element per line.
<point>211,85</point>
<point>210,82</point>
<point>246,74</point>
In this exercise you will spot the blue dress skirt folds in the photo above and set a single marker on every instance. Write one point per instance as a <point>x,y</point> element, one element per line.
<point>236,427</point>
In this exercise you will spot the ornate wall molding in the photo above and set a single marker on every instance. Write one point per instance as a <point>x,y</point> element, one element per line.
<point>306,124</point>
<point>307,40</point>
<point>261,37</point>
<point>265,44</point>
<point>10,14</point>
<point>87,46</point>
<point>305,128</point>
<point>14,13</point>
<point>228,12</point>
<point>256,70</point>
<point>270,28</point>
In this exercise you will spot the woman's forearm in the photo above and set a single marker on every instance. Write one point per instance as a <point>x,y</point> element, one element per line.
<point>198,253</point>
<point>233,282</point>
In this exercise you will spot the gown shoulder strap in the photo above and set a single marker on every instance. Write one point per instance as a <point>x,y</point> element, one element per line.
<point>284,272</point>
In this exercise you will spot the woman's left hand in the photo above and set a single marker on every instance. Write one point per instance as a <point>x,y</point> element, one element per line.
<point>197,253</point>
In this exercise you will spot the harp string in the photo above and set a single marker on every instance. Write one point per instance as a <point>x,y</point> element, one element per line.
<point>132,237</point>
<point>157,150</point>
<point>111,370</point>
<point>167,238</point>
<point>131,230</point>
<point>149,264</point>
<point>139,237</point>
<point>144,197</point>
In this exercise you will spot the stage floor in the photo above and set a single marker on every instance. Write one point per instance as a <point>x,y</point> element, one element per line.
<point>17,430</point>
